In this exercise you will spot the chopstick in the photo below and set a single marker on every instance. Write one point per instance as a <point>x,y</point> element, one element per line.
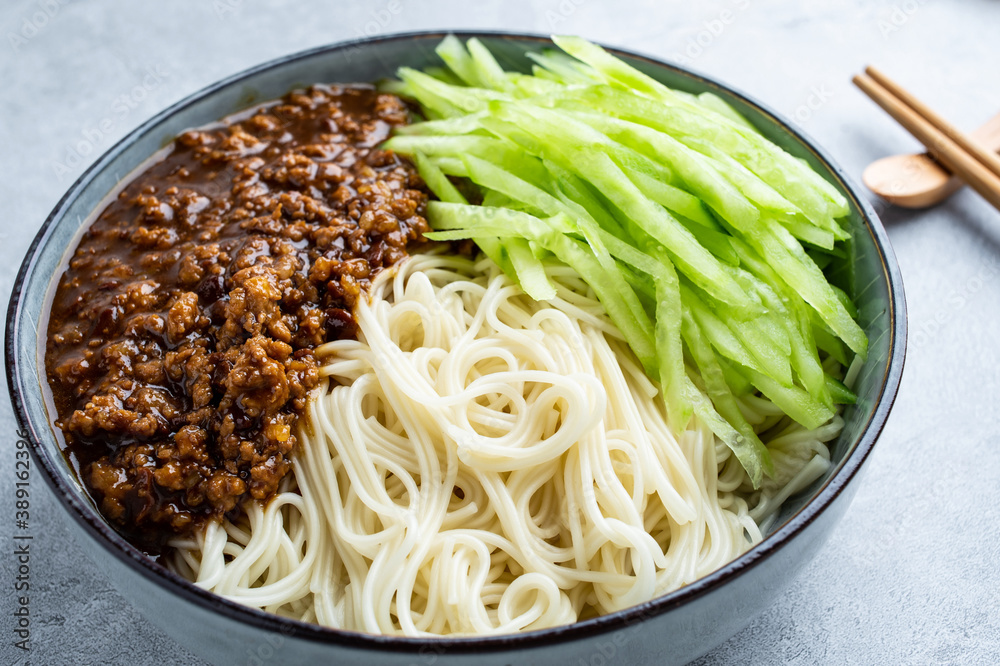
<point>988,158</point>
<point>961,155</point>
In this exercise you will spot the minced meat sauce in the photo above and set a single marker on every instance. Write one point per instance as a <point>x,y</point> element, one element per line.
<point>181,336</point>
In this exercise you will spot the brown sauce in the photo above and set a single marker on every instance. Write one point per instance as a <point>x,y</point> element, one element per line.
<point>179,348</point>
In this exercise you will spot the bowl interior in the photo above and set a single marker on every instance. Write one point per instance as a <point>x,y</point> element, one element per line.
<point>869,274</point>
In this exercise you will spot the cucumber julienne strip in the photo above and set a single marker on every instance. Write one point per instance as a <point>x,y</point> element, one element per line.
<point>630,78</point>
<point>453,53</point>
<point>486,174</point>
<point>596,167</point>
<point>489,71</point>
<point>515,256</point>
<point>750,451</point>
<point>446,191</point>
<point>693,126</point>
<point>685,221</point>
<point>461,222</point>
<point>530,271</point>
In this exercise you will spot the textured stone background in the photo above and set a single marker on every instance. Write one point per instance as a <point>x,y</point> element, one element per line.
<point>910,576</point>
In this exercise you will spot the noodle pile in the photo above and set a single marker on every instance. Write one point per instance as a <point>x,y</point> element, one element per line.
<point>482,463</point>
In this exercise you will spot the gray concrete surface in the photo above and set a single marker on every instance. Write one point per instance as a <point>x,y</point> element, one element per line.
<point>911,576</point>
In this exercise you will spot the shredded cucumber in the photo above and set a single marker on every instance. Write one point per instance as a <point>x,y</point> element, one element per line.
<point>686,222</point>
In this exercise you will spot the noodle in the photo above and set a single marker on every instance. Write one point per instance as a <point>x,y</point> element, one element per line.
<point>482,463</point>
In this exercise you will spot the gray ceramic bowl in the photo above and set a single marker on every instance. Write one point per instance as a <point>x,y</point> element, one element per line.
<point>674,628</point>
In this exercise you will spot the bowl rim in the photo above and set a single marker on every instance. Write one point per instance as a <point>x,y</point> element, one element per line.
<point>97,529</point>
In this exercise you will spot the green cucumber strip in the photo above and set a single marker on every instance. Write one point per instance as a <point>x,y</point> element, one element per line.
<point>759,336</point>
<point>425,89</point>
<point>444,75</point>
<point>443,188</point>
<point>804,357</point>
<point>748,448</point>
<point>446,152</point>
<point>597,168</point>
<point>447,99</point>
<point>738,384</point>
<point>845,300</point>
<point>780,298</point>
<point>582,73</point>
<point>782,165</point>
<point>512,133</point>
<point>770,321</point>
<point>840,393</point>
<point>560,70</point>
<point>752,187</point>
<point>717,331</point>
<point>524,86</point>
<point>635,329</point>
<point>723,108</point>
<point>436,180</point>
<point>552,235</point>
<point>720,427</point>
<point>807,232</point>
<point>669,350</point>
<point>716,243</point>
<point>457,125</point>
<point>821,230</point>
<point>666,292</point>
<point>822,259</point>
<point>501,222</point>
<point>541,73</point>
<point>445,146</point>
<point>494,199</point>
<point>533,197</point>
<point>700,265</point>
<point>488,175</point>
<point>576,193</point>
<point>793,400</point>
<point>451,166</point>
<point>561,56</point>
<point>798,271</point>
<point>516,122</point>
<point>396,87</point>
<point>700,175</point>
<point>530,270</point>
<point>634,257</point>
<point>489,71</point>
<point>639,281</point>
<point>673,198</point>
<point>453,53</point>
<point>790,176</point>
<point>612,68</point>
<point>595,236</point>
<point>830,343</point>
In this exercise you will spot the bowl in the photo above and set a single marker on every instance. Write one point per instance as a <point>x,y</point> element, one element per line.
<point>674,628</point>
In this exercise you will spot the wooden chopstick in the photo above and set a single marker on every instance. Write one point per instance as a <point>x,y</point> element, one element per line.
<point>919,120</point>
<point>990,159</point>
